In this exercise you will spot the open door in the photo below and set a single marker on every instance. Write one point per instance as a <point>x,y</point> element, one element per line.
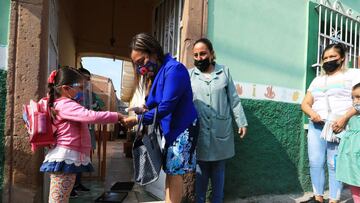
<point>167,21</point>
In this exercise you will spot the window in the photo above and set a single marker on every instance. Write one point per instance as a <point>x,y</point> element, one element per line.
<point>337,25</point>
<point>168,15</point>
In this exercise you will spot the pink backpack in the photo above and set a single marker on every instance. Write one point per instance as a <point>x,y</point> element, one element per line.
<point>39,125</point>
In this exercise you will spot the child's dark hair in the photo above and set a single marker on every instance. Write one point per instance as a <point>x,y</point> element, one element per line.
<point>340,48</point>
<point>85,72</point>
<point>62,76</point>
<point>208,44</point>
<point>356,86</point>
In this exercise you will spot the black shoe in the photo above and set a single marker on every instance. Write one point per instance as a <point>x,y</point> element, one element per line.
<point>73,194</point>
<point>81,187</point>
<point>311,200</point>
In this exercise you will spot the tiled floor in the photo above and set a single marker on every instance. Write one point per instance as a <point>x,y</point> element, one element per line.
<point>119,169</point>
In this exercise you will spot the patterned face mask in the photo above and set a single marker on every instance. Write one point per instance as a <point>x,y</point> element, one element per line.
<point>147,69</point>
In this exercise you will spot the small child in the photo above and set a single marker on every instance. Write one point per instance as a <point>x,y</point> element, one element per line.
<point>348,158</point>
<point>71,154</point>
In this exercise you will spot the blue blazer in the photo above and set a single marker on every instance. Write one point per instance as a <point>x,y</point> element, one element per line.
<point>171,92</point>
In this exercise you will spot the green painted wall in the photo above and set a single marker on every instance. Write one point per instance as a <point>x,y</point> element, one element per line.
<point>261,42</point>
<point>4,21</point>
<point>273,43</point>
<point>272,158</point>
<point>355,5</point>
<point>265,43</point>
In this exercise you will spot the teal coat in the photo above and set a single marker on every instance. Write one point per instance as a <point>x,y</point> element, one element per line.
<point>217,104</point>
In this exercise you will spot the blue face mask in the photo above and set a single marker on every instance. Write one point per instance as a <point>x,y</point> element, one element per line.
<point>79,97</point>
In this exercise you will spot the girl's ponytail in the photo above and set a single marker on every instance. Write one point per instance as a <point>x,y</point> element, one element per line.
<point>52,92</point>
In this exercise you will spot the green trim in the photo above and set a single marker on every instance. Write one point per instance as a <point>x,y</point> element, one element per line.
<point>312,47</point>
<point>313,30</point>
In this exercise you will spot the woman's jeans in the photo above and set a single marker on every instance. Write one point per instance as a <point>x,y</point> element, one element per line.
<point>318,149</point>
<point>215,170</point>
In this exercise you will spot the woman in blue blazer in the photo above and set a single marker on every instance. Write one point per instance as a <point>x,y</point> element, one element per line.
<point>170,92</point>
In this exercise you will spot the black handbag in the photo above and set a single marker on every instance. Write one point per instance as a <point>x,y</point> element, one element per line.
<point>147,155</point>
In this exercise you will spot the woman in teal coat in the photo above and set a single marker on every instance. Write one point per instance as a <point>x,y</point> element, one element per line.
<point>217,104</point>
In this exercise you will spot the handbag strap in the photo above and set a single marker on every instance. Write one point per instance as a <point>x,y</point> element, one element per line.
<point>141,123</point>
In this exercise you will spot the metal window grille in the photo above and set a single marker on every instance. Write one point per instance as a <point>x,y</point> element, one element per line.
<point>337,25</point>
<point>53,49</point>
<point>168,16</point>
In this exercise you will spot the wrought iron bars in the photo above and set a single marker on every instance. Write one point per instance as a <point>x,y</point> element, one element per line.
<point>337,25</point>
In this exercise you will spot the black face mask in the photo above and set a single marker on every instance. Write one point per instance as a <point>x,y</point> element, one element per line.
<point>331,66</point>
<point>202,65</point>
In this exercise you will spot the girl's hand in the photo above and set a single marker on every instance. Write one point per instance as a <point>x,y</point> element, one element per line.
<point>315,117</point>
<point>120,117</point>
<point>242,132</point>
<point>130,122</point>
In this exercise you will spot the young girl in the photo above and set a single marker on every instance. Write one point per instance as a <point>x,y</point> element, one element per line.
<point>348,159</point>
<point>72,151</point>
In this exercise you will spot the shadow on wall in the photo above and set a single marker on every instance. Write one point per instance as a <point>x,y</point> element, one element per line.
<point>272,159</point>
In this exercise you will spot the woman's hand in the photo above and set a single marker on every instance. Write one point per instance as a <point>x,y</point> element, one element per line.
<point>315,117</point>
<point>242,132</point>
<point>339,124</point>
<point>138,110</point>
<point>130,122</point>
<point>306,106</point>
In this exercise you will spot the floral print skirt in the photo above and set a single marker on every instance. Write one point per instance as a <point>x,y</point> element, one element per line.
<point>180,156</point>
